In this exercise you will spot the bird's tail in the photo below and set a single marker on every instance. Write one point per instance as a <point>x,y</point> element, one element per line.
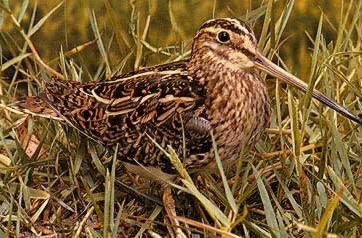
<point>33,105</point>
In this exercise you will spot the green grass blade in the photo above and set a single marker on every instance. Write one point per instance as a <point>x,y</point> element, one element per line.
<point>229,195</point>
<point>13,61</point>
<point>147,224</point>
<point>268,207</point>
<point>338,142</point>
<point>265,29</point>
<point>312,78</point>
<point>23,9</point>
<point>213,210</point>
<point>347,197</point>
<point>41,22</point>
<point>322,226</point>
<point>100,44</point>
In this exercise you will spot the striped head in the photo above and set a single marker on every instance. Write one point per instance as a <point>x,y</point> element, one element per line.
<point>228,41</point>
<point>230,45</point>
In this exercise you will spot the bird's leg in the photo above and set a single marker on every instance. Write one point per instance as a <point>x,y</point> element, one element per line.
<point>170,207</point>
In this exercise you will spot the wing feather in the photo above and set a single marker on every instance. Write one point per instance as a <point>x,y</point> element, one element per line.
<point>126,108</point>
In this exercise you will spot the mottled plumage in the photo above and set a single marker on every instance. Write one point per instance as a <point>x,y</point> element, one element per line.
<point>216,90</point>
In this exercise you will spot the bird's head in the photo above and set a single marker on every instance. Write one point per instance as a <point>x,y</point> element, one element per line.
<point>228,41</point>
<point>230,45</point>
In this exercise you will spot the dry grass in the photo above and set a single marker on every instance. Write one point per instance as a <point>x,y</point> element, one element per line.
<point>302,180</point>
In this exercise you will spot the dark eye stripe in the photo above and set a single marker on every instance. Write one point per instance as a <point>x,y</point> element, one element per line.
<point>248,53</point>
<point>203,33</point>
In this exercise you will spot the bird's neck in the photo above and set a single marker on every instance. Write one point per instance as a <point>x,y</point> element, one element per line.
<point>217,75</point>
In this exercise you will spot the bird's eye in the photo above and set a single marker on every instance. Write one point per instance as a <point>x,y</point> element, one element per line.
<point>223,36</point>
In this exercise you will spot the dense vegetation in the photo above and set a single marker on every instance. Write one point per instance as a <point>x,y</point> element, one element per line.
<point>303,179</point>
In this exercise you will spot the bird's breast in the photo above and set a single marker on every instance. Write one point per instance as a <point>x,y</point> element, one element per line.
<point>239,111</point>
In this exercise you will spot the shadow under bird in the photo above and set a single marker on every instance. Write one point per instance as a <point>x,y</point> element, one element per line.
<point>218,89</point>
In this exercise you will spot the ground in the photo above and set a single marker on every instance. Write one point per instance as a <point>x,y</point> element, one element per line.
<point>303,179</point>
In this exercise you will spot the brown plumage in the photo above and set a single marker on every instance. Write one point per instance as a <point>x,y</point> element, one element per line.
<point>216,90</point>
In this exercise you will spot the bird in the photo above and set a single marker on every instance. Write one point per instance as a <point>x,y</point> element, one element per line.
<point>217,89</point>
<point>217,93</point>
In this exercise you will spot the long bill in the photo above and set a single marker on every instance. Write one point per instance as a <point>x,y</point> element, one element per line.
<point>269,67</point>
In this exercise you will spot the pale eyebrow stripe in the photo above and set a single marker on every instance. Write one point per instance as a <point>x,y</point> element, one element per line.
<point>241,27</point>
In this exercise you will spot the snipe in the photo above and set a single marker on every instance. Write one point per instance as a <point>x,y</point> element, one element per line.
<point>218,89</point>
